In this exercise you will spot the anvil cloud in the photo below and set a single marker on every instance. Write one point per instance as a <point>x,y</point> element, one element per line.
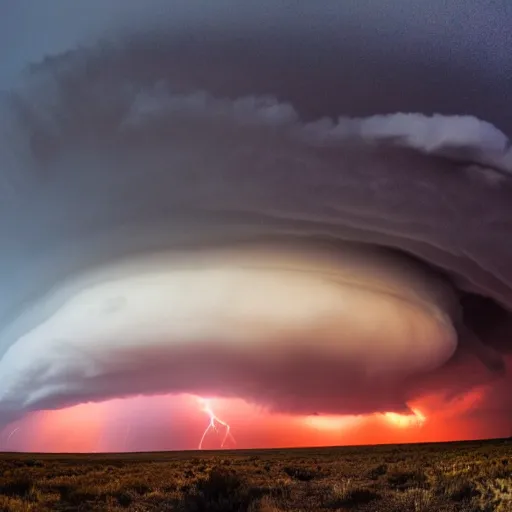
<point>181,217</point>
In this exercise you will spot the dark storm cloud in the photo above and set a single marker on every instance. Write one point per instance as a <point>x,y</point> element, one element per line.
<point>185,137</point>
<point>364,58</point>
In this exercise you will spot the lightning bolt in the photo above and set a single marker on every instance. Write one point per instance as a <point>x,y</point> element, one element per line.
<point>213,424</point>
<point>13,432</point>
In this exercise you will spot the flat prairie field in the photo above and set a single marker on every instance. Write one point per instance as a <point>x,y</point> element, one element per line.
<point>463,476</point>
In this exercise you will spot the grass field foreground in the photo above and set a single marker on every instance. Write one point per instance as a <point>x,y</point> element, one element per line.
<point>473,476</point>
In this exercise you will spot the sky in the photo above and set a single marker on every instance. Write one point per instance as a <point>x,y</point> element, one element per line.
<point>291,218</point>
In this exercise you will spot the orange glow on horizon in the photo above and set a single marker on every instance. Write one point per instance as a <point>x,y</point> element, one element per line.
<point>416,419</point>
<point>72,429</point>
<point>332,422</point>
<point>178,422</point>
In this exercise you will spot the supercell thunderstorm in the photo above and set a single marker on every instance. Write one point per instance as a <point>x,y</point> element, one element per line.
<point>164,236</point>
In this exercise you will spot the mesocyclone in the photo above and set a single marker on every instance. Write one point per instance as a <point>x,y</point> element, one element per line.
<point>182,216</point>
<point>379,317</point>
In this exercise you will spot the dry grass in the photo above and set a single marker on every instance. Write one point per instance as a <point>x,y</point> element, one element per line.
<point>465,477</point>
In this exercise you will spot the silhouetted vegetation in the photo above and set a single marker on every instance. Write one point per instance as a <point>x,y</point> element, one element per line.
<point>455,477</point>
<point>298,473</point>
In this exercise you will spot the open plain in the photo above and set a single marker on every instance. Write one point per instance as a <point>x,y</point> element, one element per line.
<point>465,476</point>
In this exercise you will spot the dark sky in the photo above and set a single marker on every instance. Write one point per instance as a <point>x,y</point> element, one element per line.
<point>362,57</point>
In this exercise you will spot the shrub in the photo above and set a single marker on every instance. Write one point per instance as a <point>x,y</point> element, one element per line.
<point>221,491</point>
<point>377,471</point>
<point>457,487</point>
<point>302,474</point>
<point>16,487</point>
<point>402,480</point>
<point>124,498</point>
<point>349,494</point>
<point>415,500</point>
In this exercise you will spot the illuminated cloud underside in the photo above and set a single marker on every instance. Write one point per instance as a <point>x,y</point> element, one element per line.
<point>221,321</point>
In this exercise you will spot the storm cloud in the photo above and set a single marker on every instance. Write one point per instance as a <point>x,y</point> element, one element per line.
<point>311,222</point>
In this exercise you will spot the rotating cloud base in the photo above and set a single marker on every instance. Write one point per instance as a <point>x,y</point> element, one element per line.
<point>233,323</point>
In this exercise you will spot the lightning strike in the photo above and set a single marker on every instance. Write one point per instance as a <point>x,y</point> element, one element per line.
<point>213,424</point>
<point>11,434</point>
